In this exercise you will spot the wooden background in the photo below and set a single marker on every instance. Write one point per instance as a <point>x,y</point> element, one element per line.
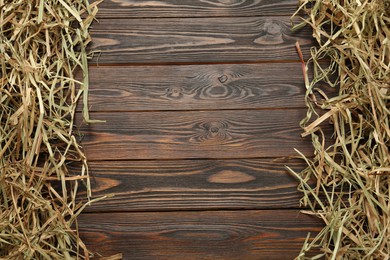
<point>202,100</point>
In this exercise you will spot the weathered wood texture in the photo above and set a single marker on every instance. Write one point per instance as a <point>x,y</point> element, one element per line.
<point>202,100</point>
<point>194,185</point>
<point>199,134</point>
<point>193,8</point>
<point>228,86</point>
<point>270,234</point>
<point>198,40</point>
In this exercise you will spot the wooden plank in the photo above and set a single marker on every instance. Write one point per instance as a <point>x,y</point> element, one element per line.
<point>271,234</point>
<point>198,134</point>
<point>227,86</point>
<point>189,8</point>
<point>195,184</point>
<point>198,40</point>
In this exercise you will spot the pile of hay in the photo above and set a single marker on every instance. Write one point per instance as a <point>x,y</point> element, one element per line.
<point>42,44</point>
<point>352,175</point>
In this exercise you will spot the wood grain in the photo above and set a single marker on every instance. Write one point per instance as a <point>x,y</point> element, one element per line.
<point>194,151</point>
<point>189,8</point>
<point>271,234</point>
<point>194,185</point>
<point>199,134</point>
<point>198,40</point>
<point>226,86</point>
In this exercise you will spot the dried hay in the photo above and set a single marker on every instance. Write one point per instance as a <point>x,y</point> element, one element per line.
<point>352,175</point>
<point>42,44</point>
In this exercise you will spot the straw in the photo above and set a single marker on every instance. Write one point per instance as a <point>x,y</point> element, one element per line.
<point>352,174</point>
<point>42,46</point>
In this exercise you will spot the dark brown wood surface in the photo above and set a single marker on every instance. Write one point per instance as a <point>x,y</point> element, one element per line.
<point>194,184</point>
<point>202,101</point>
<point>194,8</point>
<point>262,234</point>
<point>196,134</point>
<point>198,40</point>
<point>222,86</point>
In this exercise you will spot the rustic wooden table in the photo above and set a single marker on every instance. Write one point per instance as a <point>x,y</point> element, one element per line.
<point>202,100</point>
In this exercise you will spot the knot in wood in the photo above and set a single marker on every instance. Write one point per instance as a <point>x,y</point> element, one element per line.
<point>223,79</point>
<point>273,28</point>
<point>212,132</point>
<point>175,92</point>
<point>215,129</point>
<point>271,33</point>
